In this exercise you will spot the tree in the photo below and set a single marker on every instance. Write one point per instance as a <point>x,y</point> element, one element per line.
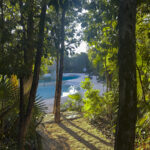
<point>22,25</point>
<point>127,113</point>
<point>64,7</point>
<point>28,114</point>
<point>60,71</point>
<point>100,31</point>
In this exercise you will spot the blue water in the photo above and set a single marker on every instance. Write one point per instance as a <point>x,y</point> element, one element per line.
<point>48,79</point>
<point>48,90</point>
<point>70,77</point>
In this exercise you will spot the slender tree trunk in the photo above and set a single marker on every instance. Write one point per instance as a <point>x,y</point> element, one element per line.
<point>2,50</point>
<point>29,48</point>
<point>57,45</point>
<point>2,27</point>
<point>36,74</point>
<point>58,97</point>
<point>21,136</point>
<point>22,19</point>
<point>21,133</point>
<point>56,90</point>
<point>27,43</point>
<point>2,107</point>
<point>2,24</point>
<point>127,114</point>
<point>30,27</point>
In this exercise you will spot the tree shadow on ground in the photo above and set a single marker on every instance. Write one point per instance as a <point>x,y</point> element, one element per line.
<point>53,144</point>
<point>76,136</point>
<point>96,137</point>
<point>66,142</point>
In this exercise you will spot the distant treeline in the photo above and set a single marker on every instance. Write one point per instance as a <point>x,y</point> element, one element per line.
<point>79,63</point>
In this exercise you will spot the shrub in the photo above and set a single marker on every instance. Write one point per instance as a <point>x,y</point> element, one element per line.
<point>9,96</point>
<point>96,105</point>
<point>92,100</point>
<point>74,102</point>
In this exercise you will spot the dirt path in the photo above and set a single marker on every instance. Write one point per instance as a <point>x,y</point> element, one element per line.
<point>73,133</point>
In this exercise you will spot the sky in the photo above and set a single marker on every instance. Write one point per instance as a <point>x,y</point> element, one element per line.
<point>82,47</point>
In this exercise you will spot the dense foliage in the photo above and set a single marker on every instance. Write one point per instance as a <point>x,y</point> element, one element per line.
<point>9,116</point>
<point>101,32</point>
<point>35,33</point>
<point>99,23</point>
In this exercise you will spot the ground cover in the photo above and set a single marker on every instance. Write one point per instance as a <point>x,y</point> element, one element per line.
<point>73,133</point>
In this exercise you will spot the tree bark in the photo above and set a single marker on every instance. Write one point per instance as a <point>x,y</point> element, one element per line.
<point>57,45</point>
<point>2,25</point>
<point>58,96</point>
<point>33,90</point>
<point>21,136</point>
<point>29,48</point>
<point>23,78</point>
<point>27,43</point>
<point>127,113</point>
<point>56,90</point>
<point>2,50</point>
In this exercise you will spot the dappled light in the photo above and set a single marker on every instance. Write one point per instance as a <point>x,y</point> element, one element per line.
<point>74,74</point>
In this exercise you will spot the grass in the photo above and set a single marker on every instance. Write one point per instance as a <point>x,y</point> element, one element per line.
<point>73,133</point>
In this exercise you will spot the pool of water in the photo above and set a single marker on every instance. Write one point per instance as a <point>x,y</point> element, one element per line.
<point>48,79</point>
<point>46,87</point>
<point>70,77</point>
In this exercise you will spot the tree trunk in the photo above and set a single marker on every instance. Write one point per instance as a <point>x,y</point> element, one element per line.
<point>29,49</point>
<point>21,136</point>
<point>32,95</point>
<point>57,45</point>
<point>27,43</point>
<point>2,25</point>
<point>127,113</point>
<point>2,50</point>
<point>23,80</point>
<point>58,97</point>
<point>56,90</point>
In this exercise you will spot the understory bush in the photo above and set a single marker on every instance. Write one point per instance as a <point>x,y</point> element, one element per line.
<point>73,103</point>
<point>96,105</point>
<point>9,117</point>
<point>92,104</point>
<point>92,100</point>
<point>143,124</point>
